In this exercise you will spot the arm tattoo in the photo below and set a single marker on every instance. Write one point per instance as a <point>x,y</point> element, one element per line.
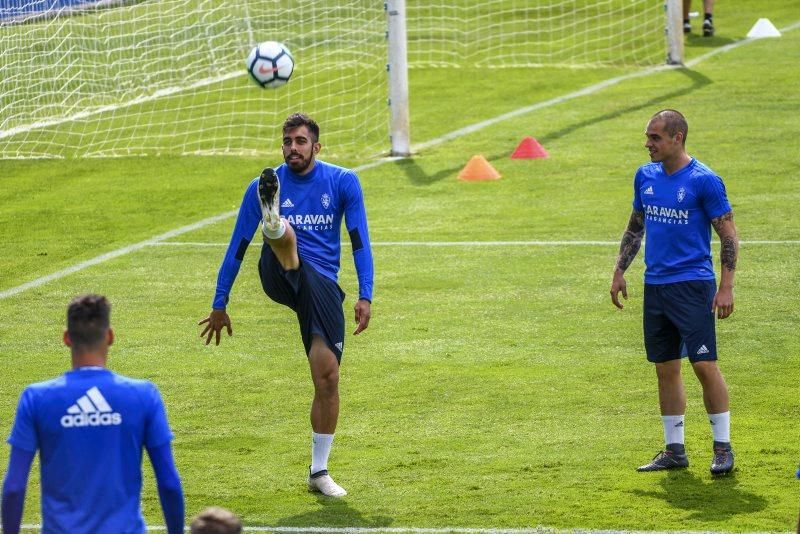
<point>721,220</point>
<point>631,240</point>
<point>730,245</point>
<point>728,253</point>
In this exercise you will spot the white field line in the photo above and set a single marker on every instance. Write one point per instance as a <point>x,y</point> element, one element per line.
<point>452,135</point>
<point>583,92</point>
<point>441,530</point>
<point>474,243</point>
<point>114,254</point>
<point>167,91</point>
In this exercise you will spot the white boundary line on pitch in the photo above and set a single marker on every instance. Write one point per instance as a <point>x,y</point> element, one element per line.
<point>167,91</point>
<point>114,254</point>
<point>433,142</point>
<point>474,243</point>
<point>439,530</point>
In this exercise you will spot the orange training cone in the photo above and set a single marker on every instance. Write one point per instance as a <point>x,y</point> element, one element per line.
<point>477,168</point>
<point>529,148</point>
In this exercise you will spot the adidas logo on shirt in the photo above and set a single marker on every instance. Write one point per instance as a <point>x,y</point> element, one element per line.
<point>649,191</point>
<point>702,350</point>
<point>339,345</point>
<point>287,203</point>
<point>91,409</point>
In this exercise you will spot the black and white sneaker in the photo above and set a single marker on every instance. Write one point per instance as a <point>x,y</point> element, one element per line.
<point>666,460</point>
<point>269,188</point>
<point>722,462</point>
<point>687,27</point>
<point>708,28</point>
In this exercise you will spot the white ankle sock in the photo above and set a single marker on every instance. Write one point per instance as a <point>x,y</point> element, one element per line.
<point>277,233</point>
<point>721,426</point>
<point>320,450</point>
<point>673,429</point>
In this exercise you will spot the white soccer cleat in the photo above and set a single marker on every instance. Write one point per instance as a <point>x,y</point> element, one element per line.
<point>269,189</point>
<point>323,483</point>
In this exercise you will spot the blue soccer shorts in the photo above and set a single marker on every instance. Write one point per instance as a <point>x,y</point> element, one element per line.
<point>678,321</point>
<point>316,299</point>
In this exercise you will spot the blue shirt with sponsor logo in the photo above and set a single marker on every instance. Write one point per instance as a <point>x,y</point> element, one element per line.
<point>314,205</point>
<point>90,426</point>
<point>678,210</point>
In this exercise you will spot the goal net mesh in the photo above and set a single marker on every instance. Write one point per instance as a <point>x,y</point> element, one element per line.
<point>88,78</point>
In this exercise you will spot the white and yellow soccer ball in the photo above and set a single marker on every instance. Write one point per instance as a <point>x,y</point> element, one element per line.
<point>270,64</point>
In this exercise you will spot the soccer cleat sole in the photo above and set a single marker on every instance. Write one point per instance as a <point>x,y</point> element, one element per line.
<point>268,194</point>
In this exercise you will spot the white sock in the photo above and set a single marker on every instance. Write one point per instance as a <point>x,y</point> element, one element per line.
<point>673,429</point>
<point>721,426</point>
<point>320,450</point>
<point>276,233</point>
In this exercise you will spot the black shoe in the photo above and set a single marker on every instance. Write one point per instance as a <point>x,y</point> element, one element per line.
<point>708,28</point>
<point>687,27</point>
<point>269,196</point>
<point>666,460</point>
<point>722,463</point>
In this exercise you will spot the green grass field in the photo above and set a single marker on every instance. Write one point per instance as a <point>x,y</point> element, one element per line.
<point>497,386</point>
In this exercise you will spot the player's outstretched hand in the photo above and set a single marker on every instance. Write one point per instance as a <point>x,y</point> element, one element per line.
<point>618,284</point>
<point>214,323</point>
<point>363,313</point>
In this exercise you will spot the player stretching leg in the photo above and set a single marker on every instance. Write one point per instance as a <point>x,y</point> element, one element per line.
<point>299,266</point>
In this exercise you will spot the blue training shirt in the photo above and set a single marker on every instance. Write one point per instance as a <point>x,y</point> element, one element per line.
<point>90,426</point>
<point>314,205</point>
<point>678,210</point>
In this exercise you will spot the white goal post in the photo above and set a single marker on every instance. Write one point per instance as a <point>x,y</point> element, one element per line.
<point>99,78</point>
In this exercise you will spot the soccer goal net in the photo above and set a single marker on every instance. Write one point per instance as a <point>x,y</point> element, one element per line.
<point>132,77</point>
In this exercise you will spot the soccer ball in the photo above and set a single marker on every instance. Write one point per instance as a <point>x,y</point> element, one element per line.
<point>270,64</point>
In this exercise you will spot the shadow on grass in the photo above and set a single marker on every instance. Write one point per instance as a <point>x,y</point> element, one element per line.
<point>657,103</point>
<point>335,513</point>
<point>709,499</point>
<point>417,176</point>
<point>695,40</point>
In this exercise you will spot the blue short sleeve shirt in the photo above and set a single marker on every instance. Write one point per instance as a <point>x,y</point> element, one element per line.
<point>678,210</point>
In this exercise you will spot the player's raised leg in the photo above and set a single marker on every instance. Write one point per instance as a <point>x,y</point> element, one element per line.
<point>277,232</point>
<point>324,416</point>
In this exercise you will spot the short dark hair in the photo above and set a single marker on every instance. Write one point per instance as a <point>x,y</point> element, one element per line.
<point>674,122</point>
<point>88,320</point>
<point>295,120</point>
<point>215,520</point>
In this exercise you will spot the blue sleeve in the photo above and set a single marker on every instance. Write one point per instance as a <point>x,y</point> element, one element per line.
<point>156,431</point>
<point>13,501</point>
<point>23,433</point>
<point>170,492</point>
<point>246,224</point>
<point>637,199</point>
<point>355,215</point>
<point>713,196</point>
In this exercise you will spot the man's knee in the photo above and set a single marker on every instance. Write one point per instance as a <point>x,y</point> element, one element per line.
<point>324,368</point>
<point>669,371</point>
<point>707,371</point>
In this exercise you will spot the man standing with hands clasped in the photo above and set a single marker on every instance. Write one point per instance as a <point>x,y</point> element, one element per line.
<point>676,200</point>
